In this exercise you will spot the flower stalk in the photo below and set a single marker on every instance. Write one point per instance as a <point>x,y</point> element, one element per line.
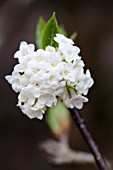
<point>81,124</point>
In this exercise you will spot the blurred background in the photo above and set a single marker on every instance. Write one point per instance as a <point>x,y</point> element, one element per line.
<point>93,20</point>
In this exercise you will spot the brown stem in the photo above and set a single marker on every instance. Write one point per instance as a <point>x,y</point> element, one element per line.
<point>81,124</point>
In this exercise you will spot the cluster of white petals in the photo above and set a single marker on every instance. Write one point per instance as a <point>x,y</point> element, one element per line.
<point>43,76</point>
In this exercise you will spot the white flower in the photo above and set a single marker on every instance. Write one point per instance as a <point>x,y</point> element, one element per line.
<point>26,96</point>
<point>24,49</point>
<point>85,82</point>
<point>31,112</point>
<point>18,81</point>
<point>29,104</point>
<point>50,49</point>
<point>61,39</point>
<point>69,52</point>
<point>47,99</point>
<point>69,73</point>
<point>43,76</point>
<point>76,100</point>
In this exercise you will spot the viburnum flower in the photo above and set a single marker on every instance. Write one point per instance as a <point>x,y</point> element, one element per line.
<point>42,76</point>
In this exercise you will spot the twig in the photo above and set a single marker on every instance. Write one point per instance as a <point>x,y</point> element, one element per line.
<point>80,122</point>
<point>59,152</point>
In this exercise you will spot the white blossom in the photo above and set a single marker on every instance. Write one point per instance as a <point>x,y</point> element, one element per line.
<point>61,39</point>
<point>47,99</point>
<point>18,81</point>
<point>43,76</point>
<point>24,49</point>
<point>76,100</point>
<point>84,83</point>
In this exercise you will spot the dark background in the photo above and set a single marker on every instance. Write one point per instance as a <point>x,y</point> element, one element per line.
<point>93,20</point>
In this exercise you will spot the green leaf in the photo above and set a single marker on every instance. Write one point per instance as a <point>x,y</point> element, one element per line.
<point>49,33</point>
<point>73,36</point>
<point>39,31</point>
<point>61,30</point>
<point>55,115</point>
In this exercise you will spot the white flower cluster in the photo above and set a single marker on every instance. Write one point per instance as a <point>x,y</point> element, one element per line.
<point>43,76</point>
